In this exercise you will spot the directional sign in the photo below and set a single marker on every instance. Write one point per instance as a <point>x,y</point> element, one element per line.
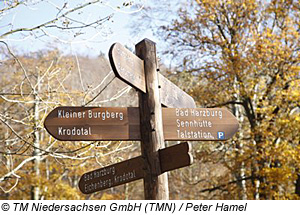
<point>94,123</point>
<point>171,158</point>
<point>198,124</point>
<point>127,66</point>
<point>175,157</point>
<point>130,69</point>
<point>172,96</point>
<point>110,176</point>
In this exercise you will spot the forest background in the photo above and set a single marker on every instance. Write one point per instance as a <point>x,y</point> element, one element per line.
<point>240,54</point>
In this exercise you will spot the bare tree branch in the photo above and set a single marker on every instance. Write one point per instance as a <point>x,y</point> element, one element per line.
<point>224,185</point>
<point>51,21</point>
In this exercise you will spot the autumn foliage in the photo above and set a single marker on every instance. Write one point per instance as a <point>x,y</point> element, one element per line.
<point>245,55</point>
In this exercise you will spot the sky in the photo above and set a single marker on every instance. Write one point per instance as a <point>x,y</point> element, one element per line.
<point>89,42</point>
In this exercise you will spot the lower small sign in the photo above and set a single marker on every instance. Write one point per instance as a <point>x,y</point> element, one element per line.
<point>171,158</point>
<point>175,157</point>
<point>111,176</point>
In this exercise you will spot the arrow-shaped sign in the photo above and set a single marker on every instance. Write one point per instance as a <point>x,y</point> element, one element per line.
<point>112,123</point>
<point>93,123</point>
<point>130,69</point>
<point>171,158</point>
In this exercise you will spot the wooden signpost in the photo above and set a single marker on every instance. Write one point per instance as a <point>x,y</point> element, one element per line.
<point>149,123</point>
<point>123,123</point>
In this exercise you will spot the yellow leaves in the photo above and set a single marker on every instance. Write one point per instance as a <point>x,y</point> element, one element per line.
<point>275,174</point>
<point>277,177</point>
<point>298,156</point>
<point>280,167</point>
<point>268,33</point>
<point>294,95</point>
<point>285,196</point>
<point>257,53</point>
<point>61,190</point>
<point>107,196</point>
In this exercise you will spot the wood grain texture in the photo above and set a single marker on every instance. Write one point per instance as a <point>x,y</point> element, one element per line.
<point>123,126</point>
<point>130,68</point>
<point>127,66</point>
<point>172,96</point>
<point>205,124</point>
<point>155,185</point>
<point>111,176</point>
<point>175,157</point>
<point>129,127</point>
<point>171,158</point>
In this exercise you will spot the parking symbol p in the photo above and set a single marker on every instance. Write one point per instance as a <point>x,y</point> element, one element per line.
<point>221,135</point>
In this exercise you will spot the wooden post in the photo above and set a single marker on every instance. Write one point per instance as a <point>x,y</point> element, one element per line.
<point>152,139</point>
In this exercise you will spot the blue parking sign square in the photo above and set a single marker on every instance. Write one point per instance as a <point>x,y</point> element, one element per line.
<point>221,135</point>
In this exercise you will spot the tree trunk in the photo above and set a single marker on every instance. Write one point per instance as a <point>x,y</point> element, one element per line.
<point>35,190</point>
<point>238,112</point>
<point>297,185</point>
